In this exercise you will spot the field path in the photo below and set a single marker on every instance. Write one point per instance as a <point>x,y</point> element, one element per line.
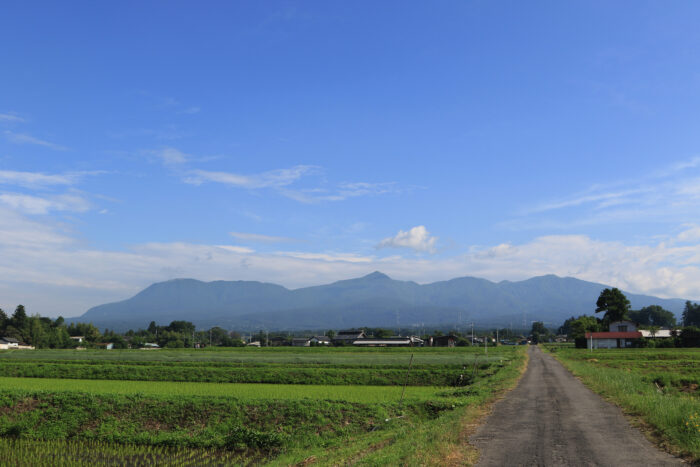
<point>552,419</point>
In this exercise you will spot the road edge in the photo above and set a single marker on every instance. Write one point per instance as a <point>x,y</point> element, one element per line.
<point>476,416</point>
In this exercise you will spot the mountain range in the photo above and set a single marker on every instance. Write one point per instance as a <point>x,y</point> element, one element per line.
<point>373,300</point>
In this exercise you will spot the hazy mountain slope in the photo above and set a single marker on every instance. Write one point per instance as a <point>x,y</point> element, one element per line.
<point>372,300</point>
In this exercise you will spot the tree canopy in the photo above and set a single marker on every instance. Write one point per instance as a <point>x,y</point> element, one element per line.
<point>653,315</point>
<point>538,332</point>
<point>614,303</point>
<point>691,314</point>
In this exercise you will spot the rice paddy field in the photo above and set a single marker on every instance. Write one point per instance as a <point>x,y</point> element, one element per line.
<point>278,406</point>
<point>658,388</point>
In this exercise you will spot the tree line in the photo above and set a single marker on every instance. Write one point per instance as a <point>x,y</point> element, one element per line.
<point>45,333</point>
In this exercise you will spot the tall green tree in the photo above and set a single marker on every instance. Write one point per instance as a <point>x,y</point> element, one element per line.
<point>4,321</point>
<point>538,332</point>
<point>19,317</point>
<point>37,333</point>
<point>691,314</point>
<point>614,303</point>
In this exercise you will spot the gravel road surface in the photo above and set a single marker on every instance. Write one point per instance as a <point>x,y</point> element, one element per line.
<point>551,418</point>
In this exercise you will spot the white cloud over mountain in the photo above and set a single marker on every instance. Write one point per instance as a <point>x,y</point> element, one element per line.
<point>417,238</point>
<point>40,261</point>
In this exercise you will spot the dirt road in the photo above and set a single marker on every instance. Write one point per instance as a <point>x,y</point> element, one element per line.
<point>551,418</point>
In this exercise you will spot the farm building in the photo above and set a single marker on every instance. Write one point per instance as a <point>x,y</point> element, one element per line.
<point>301,342</point>
<point>612,340</point>
<point>659,334</point>
<point>348,337</point>
<point>623,326</point>
<point>442,341</point>
<point>104,345</point>
<point>621,334</point>
<point>8,343</point>
<point>278,341</point>
<point>411,341</point>
<point>320,340</point>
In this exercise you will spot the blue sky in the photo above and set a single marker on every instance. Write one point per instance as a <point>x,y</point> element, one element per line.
<point>306,142</point>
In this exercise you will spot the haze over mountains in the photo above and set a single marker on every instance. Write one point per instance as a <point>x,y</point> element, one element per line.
<point>373,300</point>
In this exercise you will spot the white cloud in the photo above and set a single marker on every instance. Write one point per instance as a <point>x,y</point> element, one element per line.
<point>417,238</point>
<point>342,192</point>
<point>22,138</point>
<point>172,156</point>
<point>43,180</point>
<point>600,199</point>
<point>35,179</point>
<point>691,234</point>
<point>11,118</point>
<point>16,231</point>
<point>279,180</point>
<point>236,249</point>
<point>670,194</point>
<point>271,179</point>
<point>259,238</point>
<point>691,163</point>
<point>328,257</point>
<point>43,205</point>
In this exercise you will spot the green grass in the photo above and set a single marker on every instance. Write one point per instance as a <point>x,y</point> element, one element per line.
<point>378,375</point>
<point>279,355</point>
<point>365,394</point>
<point>60,453</point>
<point>376,367</point>
<point>274,423</point>
<point>630,378</point>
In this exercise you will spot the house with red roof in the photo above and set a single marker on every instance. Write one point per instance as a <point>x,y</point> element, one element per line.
<point>621,334</point>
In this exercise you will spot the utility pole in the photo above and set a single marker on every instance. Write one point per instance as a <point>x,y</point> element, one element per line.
<point>472,333</point>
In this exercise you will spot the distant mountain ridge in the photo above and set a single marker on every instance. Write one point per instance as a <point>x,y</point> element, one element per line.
<point>371,300</point>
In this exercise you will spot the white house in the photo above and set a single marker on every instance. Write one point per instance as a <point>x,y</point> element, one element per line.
<point>320,340</point>
<point>8,343</point>
<point>623,326</point>
<point>411,341</point>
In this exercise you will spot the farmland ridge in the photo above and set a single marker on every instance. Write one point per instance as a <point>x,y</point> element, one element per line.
<point>372,300</point>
